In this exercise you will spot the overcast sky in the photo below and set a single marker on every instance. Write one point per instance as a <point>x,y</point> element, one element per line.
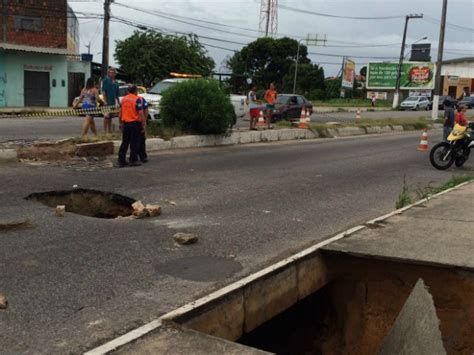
<point>364,35</point>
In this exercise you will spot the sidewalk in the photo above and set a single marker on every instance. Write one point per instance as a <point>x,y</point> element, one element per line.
<point>438,232</point>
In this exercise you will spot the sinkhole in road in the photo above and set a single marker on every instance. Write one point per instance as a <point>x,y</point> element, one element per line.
<point>333,303</point>
<point>86,202</point>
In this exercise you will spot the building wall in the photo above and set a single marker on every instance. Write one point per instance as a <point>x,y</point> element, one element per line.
<point>35,23</point>
<point>15,65</point>
<point>455,86</point>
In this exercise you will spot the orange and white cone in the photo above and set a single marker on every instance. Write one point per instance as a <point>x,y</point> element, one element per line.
<point>423,147</point>
<point>261,120</point>
<point>303,123</point>
<point>308,117</point>
<point>358,116</point>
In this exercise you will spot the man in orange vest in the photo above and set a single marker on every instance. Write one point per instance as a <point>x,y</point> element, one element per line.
<point>132,124</point>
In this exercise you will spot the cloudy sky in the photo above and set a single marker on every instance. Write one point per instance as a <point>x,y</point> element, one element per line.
<point>362,40</point>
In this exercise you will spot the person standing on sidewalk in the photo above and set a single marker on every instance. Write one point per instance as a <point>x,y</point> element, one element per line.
<point>253,106</point>
<point>448,119</point>
<point>110,91</point>
<point>374,99</point>
<point>132,124</point>
<point>270,98</point>
<point>142,145</point>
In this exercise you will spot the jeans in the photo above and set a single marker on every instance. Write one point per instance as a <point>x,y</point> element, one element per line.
<point>446,132</point>
<point>130,137</point>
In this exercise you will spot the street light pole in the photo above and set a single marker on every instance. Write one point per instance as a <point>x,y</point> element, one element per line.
<point>296,66</point>
<point>438,87</point>
<point>396,96</point>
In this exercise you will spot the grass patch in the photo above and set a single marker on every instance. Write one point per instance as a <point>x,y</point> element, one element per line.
<point>411,194</point>
<point>351,103</point>
<point>158,130</point>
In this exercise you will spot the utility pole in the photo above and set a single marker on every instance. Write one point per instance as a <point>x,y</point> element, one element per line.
<point>5,20</point>
<point>438,87</point>
<point>396,96</point>
<point>105,39</point>
<point>267,25</point>
<point>311,40</point>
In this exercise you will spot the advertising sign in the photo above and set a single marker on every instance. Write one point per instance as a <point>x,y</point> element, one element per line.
<point>348,74</point>
<point>426,93</point>
<point>414,75</point>
<point>378,95</point>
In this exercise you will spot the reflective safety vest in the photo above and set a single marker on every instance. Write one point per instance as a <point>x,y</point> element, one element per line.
<point>131,106</point>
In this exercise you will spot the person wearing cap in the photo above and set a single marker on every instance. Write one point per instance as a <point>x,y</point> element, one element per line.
<point>110,91</point>
<point>132,125</point>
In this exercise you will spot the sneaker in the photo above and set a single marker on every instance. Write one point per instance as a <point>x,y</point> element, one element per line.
<point>135,163</point>
<point>121,164</point>
<point>144,160</point>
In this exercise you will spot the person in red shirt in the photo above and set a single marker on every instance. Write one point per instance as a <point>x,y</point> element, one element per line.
<point>460,118</point>
<point>270,98</point>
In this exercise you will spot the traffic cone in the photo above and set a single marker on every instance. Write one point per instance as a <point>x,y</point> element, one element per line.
<point>423,147</point>
<point>261,120</point>
<point>358,116</point>
<point>308,117</point>
<point>303,123</point>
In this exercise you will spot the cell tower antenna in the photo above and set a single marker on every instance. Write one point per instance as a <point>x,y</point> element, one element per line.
<point>269,17</point>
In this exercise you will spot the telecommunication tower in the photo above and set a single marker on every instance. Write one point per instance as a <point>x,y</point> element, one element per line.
<point>269,17</point>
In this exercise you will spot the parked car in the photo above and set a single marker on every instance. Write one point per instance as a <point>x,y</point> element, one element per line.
<point>468,101</point>
<point>289,107</point>
<point>442,100</point>
<point>123,91</point>
<point>153,96</point>
<point>415,103</point>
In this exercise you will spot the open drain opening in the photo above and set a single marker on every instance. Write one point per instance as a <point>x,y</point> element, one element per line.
<point>357,311</point>
<point>348,305</point>
<point>91,203</point>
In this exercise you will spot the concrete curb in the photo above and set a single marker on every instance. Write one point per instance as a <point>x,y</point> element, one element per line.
<point>7,155</point>
<point>245,137</point>
<point>298,264</point>
<point>248,137</point>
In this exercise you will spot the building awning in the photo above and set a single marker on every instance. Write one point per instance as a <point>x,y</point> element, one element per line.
<point>33,49</point>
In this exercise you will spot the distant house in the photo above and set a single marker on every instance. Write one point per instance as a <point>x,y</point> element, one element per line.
<point>458,77</point>
<point>40,64</point>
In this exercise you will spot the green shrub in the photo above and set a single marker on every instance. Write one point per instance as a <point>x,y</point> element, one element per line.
<point>197,106</point>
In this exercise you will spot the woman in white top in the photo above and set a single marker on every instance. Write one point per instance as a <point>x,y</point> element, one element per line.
<point>253,106</point>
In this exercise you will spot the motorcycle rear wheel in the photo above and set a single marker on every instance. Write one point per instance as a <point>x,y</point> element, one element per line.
<point>442,156</point>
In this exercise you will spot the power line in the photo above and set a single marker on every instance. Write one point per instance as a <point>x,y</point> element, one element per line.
<point>294,9</point>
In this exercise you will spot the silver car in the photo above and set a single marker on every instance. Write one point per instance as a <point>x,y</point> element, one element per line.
<point>415,103</point>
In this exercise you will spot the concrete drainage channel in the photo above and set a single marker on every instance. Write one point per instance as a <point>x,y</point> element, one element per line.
<point>322,300</point>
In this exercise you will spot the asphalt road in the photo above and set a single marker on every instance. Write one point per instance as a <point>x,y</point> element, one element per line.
<point>22,129</point>
<point>75,282</point>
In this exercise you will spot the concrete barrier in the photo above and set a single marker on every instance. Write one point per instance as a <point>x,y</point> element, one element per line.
<point>8,155</point>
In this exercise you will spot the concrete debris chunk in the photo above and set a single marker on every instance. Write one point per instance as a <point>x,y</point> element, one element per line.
<point>186,238</point>
<point>15,225</point>
<point>138,206</point>
<point>3,302</point>
<point>153,210</point>
<point>60,210</point>
<point>416,329</point>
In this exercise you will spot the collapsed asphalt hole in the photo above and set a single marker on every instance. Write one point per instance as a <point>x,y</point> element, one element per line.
<point>200,268</point>
<point>91,203</point>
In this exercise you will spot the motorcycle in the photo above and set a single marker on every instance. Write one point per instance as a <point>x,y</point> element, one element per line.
<point>456,150</point>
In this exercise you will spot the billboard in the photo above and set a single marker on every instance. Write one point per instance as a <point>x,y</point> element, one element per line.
<point>414,75</point>
<point>348,74</point>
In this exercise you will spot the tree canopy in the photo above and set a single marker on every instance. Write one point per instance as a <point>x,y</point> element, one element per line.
<point>267,60</point>
<point>150,56</point>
